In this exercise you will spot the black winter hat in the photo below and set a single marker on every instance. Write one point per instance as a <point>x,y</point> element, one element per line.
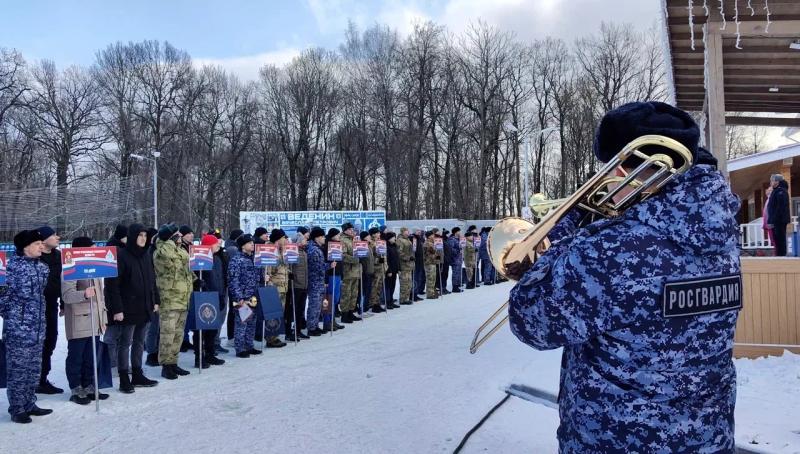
<point>332,232</point>
<point>347,225</point>
<point>428,233</point>
<point>469,234</point>
<point>120,232</point>
<point>381,228</point>
<point>317,232</point>
<point>455,230</point>
<point>46,232</point>
<point>82,241</point>
<point>633,120</point>
<point>363,234</point>
<point>166,231</point>
<point>151,232</point>
<point>472,228</point>
<point>185,230</point>
<point>25,238</point>
<point>276,235</point>
<point>260,231</point>
<point>390,235</point>
<point>243,239</point>
<point>374,230</point>
<point>302,229</point>
<point>235,233</point>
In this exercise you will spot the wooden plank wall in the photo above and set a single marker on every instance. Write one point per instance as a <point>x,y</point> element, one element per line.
<point>770,319</point>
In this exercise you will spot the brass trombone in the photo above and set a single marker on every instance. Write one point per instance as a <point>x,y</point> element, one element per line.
<point>514,243</point>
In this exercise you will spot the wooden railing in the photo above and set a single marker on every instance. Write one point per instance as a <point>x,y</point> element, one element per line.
<point>770,318</point>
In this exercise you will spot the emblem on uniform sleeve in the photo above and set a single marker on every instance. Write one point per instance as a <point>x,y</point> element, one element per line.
<point>702,296</point>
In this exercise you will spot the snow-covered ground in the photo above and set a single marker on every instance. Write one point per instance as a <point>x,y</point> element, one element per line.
<point>402,382</point>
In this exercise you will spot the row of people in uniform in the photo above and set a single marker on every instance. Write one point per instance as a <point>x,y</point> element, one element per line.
<point>144,309</point>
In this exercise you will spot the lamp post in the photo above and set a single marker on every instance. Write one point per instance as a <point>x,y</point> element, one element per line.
<point>509,127</point>
<point>156,155</point>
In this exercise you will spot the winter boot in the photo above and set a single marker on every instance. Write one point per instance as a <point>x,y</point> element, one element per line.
<point>139,380</point>
<point>417,298</point>
<point>79,396</point>
<point>45,387</point>
<point>21,418</point>
<point>275,343</point>
<point>152,359</point>
<point>315,332</point>
<point>90,393</point>
<point>378,309</point>
<point>125,385</point>
<point>255,352</point>
<point>179,371</point>
<point>355,317</point>
<point>243,355</point>
<point>168,373</point>
<point>214,361</point>
<point>407,303</point>
<point>36,411</point>
<point>347,317</point>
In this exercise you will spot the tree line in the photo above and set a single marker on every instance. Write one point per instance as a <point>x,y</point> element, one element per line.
<point>429,125</point>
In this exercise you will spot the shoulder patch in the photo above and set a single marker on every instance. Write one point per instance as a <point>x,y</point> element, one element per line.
<point>702,295</point>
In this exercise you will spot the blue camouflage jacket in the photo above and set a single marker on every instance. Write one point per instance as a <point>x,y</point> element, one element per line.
<point>243,278</point>
<point>456,255</point>
<point>316,269</point>
<point>23,303</point>
<point>633,379</point>
<point>483,252</point>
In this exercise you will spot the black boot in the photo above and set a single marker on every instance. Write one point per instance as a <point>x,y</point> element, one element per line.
<point>179,371</point>
<point>275,343</point>
<point>315,332</point>
<point>45,387</point>
<point>213,360</point>
<point>168,373</point>
<point>197,363</point>
<point>377,309</point>
<point>355,317</point>
<point>139,380</point>
<point>347,317</point>
<point>21,418</point>
<point>300,335</point>
<point>255,352</point>
<point>417,298</point>
<point>36,411</point>
<point>152,360</point>
<point>125,385</point>
<point>243,355</point>
<point>186,346</point>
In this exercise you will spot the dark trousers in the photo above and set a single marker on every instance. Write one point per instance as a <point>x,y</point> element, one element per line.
<point>209,349</point>
<point>231,322</point>
<point>365,290</point>
<point>126,345</point>
<point>445,273</point>
<point>780,243</point>
<point>79,365</point>
<point>419,279</point>
<point>390,283</point>
<point>300,295</point>
<point>50,337</point>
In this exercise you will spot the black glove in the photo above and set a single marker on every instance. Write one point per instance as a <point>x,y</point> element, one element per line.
<point>381,260</point>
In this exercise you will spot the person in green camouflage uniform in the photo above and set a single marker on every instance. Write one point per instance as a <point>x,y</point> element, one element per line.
<point>470,259</point>
<point>379,277</point>
<point>174,281</point>
<point>352,275</point>
<point>433,259</point>
<point>406,265</point>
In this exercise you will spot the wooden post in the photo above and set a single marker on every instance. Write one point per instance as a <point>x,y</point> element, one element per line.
<point>715,92</point>
<point>786,171</point>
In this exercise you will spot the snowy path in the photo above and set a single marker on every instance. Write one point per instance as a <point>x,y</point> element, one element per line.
<point>402,382</point>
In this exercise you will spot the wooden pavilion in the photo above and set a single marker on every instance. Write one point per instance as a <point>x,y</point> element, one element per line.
<point>743,57</point>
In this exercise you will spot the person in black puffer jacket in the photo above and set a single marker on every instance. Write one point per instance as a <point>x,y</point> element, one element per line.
<point>131,298</point>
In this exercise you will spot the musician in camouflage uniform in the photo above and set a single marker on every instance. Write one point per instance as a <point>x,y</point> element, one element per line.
<point>644,306</point>
<point>470,259</point>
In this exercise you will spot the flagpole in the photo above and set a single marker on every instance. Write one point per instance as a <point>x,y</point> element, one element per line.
<point>294,310</point>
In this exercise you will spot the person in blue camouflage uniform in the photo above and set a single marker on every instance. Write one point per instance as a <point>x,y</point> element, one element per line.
<point>456,258</point>
<point>633,379</point>
<point>243,280</point>
<point>23,310</point>
<point>316,280</point>
<point>487,269</point>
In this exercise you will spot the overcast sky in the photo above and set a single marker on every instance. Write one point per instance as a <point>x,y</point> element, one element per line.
<point>244,34</point>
